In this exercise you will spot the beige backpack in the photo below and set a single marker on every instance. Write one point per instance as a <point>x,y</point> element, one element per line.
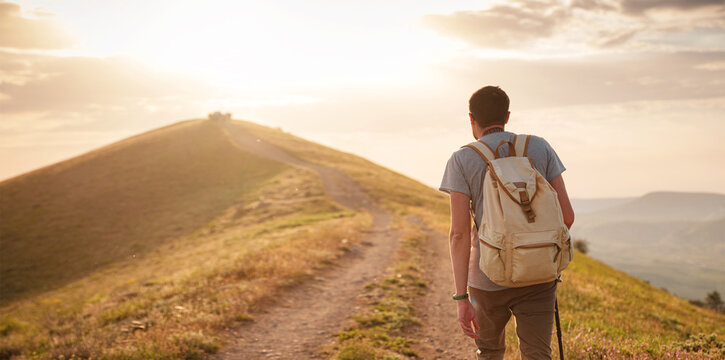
<point>523,237</point>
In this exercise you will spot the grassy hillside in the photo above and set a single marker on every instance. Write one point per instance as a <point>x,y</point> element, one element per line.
<point>64,221</point>
<point>598,303</point>
<point>279,230</point>
<point>173,301</point>
<point>391,189</point>
<point>607,312</point>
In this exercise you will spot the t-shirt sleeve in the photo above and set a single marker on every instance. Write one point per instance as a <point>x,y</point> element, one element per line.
<point>554,166</point>
<point>453,179</point>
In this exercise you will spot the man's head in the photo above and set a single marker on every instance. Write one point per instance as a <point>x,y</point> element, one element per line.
<point>489,106</point>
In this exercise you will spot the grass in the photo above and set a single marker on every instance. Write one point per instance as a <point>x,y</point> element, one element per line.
<point>605,310</point>
<point>177,300</point>
<point>380,329</point>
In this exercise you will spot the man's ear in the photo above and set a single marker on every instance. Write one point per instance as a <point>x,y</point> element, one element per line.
<point>470,116</point>
<point>507,117</point>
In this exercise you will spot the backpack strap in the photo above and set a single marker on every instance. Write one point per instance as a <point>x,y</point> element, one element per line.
<point>521,144</point>
<point>486,153</point>
<point>512,151</point>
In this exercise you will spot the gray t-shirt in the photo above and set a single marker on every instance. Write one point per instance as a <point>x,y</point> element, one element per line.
<point>464,173</point>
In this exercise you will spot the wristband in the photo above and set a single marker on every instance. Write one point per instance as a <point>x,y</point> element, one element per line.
<point>460,297</point>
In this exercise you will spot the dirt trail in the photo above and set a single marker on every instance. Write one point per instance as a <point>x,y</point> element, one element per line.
<point>337,185</point>
<point>440,337</point>
<point>308,316</point>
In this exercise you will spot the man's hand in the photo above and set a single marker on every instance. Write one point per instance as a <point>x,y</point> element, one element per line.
<point>467,317</point>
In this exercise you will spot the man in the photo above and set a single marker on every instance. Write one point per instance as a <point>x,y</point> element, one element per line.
<point>484,313</point>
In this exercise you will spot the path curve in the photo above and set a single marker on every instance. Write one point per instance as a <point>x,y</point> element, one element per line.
<point>307,317</point>
<point>337,184</point>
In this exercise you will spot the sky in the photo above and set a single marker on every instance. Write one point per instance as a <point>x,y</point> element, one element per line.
<point>630,93</point>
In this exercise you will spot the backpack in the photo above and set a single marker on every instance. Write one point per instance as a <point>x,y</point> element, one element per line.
<point>523,237</point>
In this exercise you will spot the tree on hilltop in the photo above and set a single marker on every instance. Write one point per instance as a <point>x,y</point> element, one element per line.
<point>218,116</point>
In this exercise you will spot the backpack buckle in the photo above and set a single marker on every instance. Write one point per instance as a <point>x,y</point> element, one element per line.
<point>526,206</point>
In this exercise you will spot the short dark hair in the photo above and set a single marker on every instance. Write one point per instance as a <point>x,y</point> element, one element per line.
<point>489,106</point>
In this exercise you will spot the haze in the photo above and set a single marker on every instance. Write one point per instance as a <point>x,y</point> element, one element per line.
<point>630,93</point>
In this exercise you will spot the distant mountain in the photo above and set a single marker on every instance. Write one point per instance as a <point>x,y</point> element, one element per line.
<point>585,206</point>
<point>674,240</point>
<point>665,206</point>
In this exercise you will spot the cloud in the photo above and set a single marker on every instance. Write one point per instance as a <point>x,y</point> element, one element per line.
<point>597,79</point>
<point>641,6</point>
<point>712,66</point>
<point>607,39</point>
<point>74,84</point>
<point>504,25</point>
<point>583,24</point>
<point>594,5</point>
<point>19,32</point>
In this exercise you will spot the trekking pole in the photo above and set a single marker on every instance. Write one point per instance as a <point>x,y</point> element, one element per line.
<point>558,329</point>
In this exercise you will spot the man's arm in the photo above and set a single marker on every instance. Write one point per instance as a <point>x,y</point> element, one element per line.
<point>460,249</point>
<point>460,239</point>
<point>558,184</point>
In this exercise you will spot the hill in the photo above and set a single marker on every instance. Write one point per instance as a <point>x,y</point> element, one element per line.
<point>664,206</point>
<point>279,228</point>
<point>647,237</point>
<point>64,221</point>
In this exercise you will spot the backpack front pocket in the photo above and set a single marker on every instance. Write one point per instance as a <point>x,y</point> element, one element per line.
<point>534,257</point>
<point>492,257</point>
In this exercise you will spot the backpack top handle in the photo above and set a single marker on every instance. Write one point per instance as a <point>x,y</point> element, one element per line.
<point>512,148</point>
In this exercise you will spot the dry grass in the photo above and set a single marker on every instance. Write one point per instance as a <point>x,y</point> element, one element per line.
<point>68,220</point>
<point>174,301</point>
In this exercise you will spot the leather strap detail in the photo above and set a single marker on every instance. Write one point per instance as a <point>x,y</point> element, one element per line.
<point>486,145</point>
<point>512,148</point>
<point>483,150</point>
<point>526,206</point>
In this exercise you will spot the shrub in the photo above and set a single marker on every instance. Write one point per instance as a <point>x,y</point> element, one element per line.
<point>714,301</point>
<point>707,345</point>
<point>581,245</point>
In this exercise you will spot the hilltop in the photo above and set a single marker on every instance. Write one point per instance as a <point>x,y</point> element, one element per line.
<point>265,214</point>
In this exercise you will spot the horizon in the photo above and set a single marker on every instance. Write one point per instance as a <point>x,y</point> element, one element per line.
<point>617,87</point>
<point>432,186</point>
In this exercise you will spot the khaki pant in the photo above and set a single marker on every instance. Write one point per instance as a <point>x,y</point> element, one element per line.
<point>533,309</point>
